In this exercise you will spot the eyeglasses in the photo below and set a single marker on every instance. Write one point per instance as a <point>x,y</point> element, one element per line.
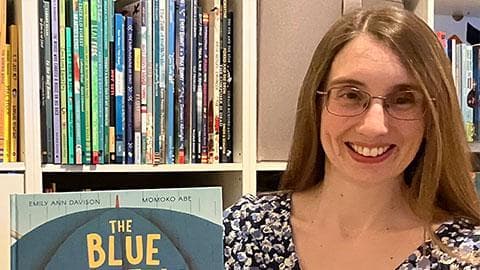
<point>350,101</point>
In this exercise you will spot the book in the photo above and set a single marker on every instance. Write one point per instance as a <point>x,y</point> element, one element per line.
<point>132,229</point>
<point>14,93</point>
<point>44,66</point>
<point>119,88</point>
<point>77,84</point>
<point>6,104</point>
<point>56,82</point>
<point>63,82</point>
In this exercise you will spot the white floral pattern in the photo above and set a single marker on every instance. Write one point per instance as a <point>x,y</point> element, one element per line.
<point>258,235</point>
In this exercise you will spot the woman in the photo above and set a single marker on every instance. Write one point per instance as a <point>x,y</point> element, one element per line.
<point>378,174</point>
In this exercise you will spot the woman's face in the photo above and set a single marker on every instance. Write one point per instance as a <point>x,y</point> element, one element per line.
<point>371,147</point>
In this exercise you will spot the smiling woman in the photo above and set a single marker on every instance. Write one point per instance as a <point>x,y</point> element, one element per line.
<point>378,174</point>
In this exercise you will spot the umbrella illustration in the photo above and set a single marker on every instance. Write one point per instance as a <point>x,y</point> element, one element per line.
<point>121,238</point>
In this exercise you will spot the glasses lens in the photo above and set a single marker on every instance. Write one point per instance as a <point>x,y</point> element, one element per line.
<point>347,101</point>
<point>406,105</point>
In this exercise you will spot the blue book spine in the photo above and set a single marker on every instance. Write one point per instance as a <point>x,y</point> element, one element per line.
<point>119,88</point>
<point>129,83</point>
<point>170,148</point>
<point>180,83</point>
<point>476,84</point>
<point>56,83</point>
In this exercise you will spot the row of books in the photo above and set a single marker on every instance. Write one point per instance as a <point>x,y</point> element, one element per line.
<point>136,81</point>
<point>8,86</point>
<point>465,63</point>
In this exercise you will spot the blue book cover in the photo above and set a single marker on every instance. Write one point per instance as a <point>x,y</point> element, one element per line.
<point>129,137</point>
<point>132,229</point>
<point>119,88</point>
<point>170,102</point>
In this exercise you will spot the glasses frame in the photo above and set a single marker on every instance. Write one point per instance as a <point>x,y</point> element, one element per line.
<point>371,97</point>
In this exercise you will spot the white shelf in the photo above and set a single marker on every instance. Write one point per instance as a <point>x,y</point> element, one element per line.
<point>464,7</point>
<point>222,167</point>
<point>474,147</point>
<point>12,167</point>
<point>271,166</point>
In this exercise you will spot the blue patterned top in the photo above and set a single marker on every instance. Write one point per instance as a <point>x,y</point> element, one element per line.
<point>258,235</point>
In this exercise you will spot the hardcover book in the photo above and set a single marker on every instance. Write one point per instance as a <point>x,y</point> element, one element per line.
<point>136,229</point>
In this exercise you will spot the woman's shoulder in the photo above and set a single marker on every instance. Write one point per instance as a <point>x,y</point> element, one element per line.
<point>265,203</point>
<point>461,236</point>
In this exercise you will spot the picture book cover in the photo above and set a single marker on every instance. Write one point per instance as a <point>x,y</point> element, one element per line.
<point>165,229</point>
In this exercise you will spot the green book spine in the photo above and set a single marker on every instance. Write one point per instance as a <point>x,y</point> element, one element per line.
<point>70,113</point>
<point>81,46</point>
<point>107,29</point>
<point>76,81</point>
<point>94,79</point>
<point>87,158</point>
<point>63,85</point>
<point>101,89</point>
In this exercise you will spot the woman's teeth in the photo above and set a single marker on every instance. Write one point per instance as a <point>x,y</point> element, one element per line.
<point>369,152</point>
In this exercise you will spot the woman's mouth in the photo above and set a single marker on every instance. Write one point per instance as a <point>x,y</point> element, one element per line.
<point>372,154</point>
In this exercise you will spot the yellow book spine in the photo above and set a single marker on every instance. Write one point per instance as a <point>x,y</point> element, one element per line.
<point>6,106</point>
<point>3,57</point>
<point>14,92</point>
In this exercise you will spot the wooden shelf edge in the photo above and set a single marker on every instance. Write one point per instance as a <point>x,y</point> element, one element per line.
<point>271,166</point>
<point>222,167</point>
<point>12,167</point>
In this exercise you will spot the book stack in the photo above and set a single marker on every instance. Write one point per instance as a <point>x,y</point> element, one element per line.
<point>136,81</point>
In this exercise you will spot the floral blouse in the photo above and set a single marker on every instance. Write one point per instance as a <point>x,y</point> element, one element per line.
<point>258,235</point>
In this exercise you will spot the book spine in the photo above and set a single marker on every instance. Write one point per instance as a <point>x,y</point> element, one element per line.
<point>3,90</point>
<point>83,88</point>
<point>63,83</point>
<point>87,86</point>
<point>47,67</point>
<point>143,82</point>
<point>149,95</point>
<point>77,66</point>
<point>467,87</point>
<point>137,124</point>
<point>163,83</point>
<point>107,30</point>
<point>223,82</point>
<point>56,82</point>
<point>70,107</point>
<point>119,88</point>
<point>192,128</point>
<point>170,145</point>
<point>101,90</point>
<point>94,80</point>
<point>180,83</point>
<point>204,151</point>
<point>190,75</point>
<point>199,84</point>
<point>112,146</point>
<point>476,85</point>
<point>129,134</point>
<point>7,115</point>
<point>228,157</point>
<point>156,81</point>
<point>41,54</point>
<point>15,91</point>
<point>214,84</point>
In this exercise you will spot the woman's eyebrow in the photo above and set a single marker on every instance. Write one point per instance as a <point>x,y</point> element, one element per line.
<point>345,80</point>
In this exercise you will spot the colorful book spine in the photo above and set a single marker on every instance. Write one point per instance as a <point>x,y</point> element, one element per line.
<point>7,95</point>
<point>467,87</point>
<point>119,88</point>
<point>107,33</point>
<point>476,85</point>
<point>112,146</point>
<point>214,81</point>
<point>222,146</point>
<point>228,156</point>
<point>156,80</point>
<point>205,26</point>
<point>199,85</point>
<point>143,82</point>
<point>47,67</point>
<point>149,95</point>
<point>161,121</point>
<point>42,61</point>
<point>180,83</point>
<point>87,143</point>
<point>77,84</point>
<point>137,124</point>
<point>14,91</point>
<point>70,104</point>
<point>56,82</point>
<point>170,145</point>
<point>129,132</point>
<point>63,82</point>
<point>100,82</point>
<point>94,84</point>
